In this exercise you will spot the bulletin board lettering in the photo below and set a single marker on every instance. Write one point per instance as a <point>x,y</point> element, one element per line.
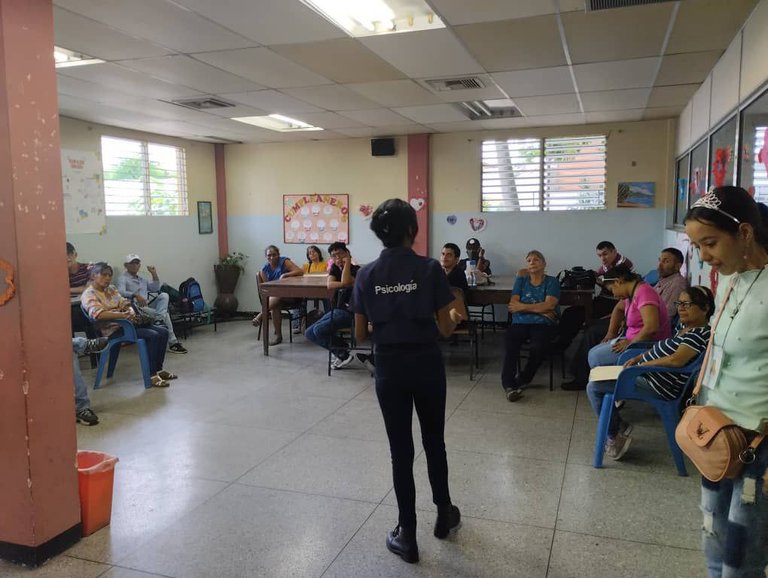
<point>315,218</point>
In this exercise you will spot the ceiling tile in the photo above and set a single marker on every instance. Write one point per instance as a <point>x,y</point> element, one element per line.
<point>703,25</point>
<point>445,127</point>
<point>662,112</point>
<point>427,54</point>
<point>272,101</point>
<point>80,34</point>
<point>375,117</point>
<point>393,93</point>
<point>431,114</point>
<point>384,131</point>
<point>515,44</point>
<point>462,12</point>
<point>546,105</point>
<point>267,21</point>
<point>614,116</point>
<point>344,60</point>
<point>128,81</point>
<point>85,89</point>
<point>615,99</point>
<point>755,47</point>
<point>616,75</point>
<point>556,120</point>
<point>679,95</point>
<point>535,81</point>
<point>620,34</point>
<point>333,97</point>
<point>687,68</point>
<point>184,70</point>
<point>160,21</point>
<point>496,123</point>
<point>327,120</point>
<point>263,66</point>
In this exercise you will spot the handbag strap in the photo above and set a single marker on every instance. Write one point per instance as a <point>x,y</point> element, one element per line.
<point>705,362</point>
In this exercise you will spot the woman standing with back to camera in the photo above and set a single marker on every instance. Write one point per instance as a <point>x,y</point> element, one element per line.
<point>730,230</point>
<point>400,293</point>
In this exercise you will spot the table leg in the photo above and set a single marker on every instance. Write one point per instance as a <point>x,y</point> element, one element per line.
<point>265,318</point>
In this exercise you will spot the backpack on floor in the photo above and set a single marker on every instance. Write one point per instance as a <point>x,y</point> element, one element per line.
<point>191,297</point>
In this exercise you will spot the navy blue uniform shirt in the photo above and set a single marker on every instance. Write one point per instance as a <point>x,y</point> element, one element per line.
<point>399,293</point>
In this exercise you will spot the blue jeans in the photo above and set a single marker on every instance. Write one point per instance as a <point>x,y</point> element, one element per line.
<point>735,527</point>
<point>601,354</point>
<point>81,390</point>
<point>320,331</point>
<point>596,391</point>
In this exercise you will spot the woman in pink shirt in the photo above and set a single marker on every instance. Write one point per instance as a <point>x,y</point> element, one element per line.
<point>641,315</point>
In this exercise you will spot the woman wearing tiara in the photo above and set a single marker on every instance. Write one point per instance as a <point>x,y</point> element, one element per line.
<point>730,230</point>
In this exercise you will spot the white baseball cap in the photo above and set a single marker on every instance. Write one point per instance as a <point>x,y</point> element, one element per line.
<point>132,257</point>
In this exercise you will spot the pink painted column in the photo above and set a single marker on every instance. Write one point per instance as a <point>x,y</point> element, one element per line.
<point>221,199</point>
<point>418,187</point>
<point>39,504</point>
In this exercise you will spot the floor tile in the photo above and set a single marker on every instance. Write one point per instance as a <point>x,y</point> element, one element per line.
<point>514,435</point>
<point>343,468</point>
<point>117,572</point>
<point>636,506</point>
<point>583,556</point>
<point>536,401</point>
<point>478,548</point>
<point>494,487</point>
<point>358,419</point>
<point>60,567</point>
<point>247,531</point>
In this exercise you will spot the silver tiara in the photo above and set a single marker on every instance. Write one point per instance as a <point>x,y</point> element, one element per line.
<point>712,202</point>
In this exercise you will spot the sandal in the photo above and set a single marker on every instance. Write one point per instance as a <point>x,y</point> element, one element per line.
<point>166,375</point>
<point>276,340</point>
<point>256,321</point>
<point>158,381</point>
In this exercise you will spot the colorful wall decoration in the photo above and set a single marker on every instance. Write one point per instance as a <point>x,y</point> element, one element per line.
<point>315,218</point>
<point>83,192</point>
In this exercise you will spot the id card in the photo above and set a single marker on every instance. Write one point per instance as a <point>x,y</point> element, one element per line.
<point>712,371</point>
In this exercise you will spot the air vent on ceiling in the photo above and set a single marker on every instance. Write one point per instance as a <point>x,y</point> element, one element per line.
<point>445,84</point>
<point>594,5</point>
<point>207,103</point>
<point>490,109</point>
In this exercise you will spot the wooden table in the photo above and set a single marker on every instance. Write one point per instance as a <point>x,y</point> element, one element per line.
<point>500,292</point>
<point>305,287</point>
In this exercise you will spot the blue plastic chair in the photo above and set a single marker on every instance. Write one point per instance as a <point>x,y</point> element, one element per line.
<point>108,357</point>
<point>669,410</point>
<point>651,277</point>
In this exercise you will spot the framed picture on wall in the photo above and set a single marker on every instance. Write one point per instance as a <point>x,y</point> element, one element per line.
<point>697,182</point>
<point>204,217</point>
<point>681,187</point>
<point>722,145</point>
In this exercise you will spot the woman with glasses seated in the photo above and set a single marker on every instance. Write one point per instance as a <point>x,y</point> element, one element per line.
<point>695,307</point>
<point>276,267</point>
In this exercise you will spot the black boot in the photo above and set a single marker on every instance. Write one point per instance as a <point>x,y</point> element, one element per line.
<point>448,518</point>
<point>402,541</point>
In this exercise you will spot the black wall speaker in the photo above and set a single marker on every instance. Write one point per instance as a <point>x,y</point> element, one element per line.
<point>383,147</point>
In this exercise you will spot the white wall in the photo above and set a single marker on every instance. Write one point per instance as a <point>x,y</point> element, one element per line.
<point>172,244</point>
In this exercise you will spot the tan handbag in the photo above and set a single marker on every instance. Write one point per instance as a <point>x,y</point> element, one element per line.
<point>712,441</point>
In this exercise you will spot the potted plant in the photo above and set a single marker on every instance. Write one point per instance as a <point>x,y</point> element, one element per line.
<point>227,274</point>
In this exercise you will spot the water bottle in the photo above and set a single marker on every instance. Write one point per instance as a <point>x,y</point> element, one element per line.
<point>471,275</point>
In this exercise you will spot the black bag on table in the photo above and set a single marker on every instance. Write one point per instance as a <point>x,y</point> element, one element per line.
<point>577,278</point>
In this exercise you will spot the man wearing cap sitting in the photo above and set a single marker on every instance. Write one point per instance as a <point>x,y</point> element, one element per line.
<point>477,254</point>
<point>136,288</point>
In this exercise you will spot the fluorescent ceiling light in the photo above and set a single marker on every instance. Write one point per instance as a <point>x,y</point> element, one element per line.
<point>66,58</point>
<point>277,122</point>
<point>372,17</point>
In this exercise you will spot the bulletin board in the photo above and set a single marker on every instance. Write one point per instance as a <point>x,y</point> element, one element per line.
<point>83,189</point>
<point>315,218</point>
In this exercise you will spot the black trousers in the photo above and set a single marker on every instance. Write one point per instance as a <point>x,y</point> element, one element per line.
<point>593,334</point>
<point>408,376</point>
<point>540,336</point>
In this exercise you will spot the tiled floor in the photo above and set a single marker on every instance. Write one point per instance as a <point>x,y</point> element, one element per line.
<point>250,466</point>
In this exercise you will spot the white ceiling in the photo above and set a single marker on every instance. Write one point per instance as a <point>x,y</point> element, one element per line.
<point>559,64</point>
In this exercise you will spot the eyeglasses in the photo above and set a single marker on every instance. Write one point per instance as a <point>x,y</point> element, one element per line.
<point>683,304</point>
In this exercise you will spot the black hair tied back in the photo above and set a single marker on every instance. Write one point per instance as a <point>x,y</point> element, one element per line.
<point>394,221</point>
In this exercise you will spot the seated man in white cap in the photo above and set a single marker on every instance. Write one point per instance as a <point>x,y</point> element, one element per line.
<point>136,288</point>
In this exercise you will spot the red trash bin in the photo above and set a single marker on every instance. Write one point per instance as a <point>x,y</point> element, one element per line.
<point>96,476</point>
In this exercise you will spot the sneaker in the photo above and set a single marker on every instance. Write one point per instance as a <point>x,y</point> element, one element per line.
<point>96,345</point>
<point>513,394</point>
<point>615,448</point>
<point>86,416</point>
<point>366,361</point>
<point>334,360</point>
<point>177,348</point>
<point>344,362</point>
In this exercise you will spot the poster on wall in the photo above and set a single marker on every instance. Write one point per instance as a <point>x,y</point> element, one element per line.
<point>83,192</point>
<point>637,195</point>
<point>315,218</point>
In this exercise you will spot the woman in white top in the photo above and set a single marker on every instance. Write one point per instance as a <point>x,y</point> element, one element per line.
<point>730,230</point>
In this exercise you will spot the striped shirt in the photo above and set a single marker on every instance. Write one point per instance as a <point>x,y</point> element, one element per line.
<point>80,279</point>
<point>671,385</point>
